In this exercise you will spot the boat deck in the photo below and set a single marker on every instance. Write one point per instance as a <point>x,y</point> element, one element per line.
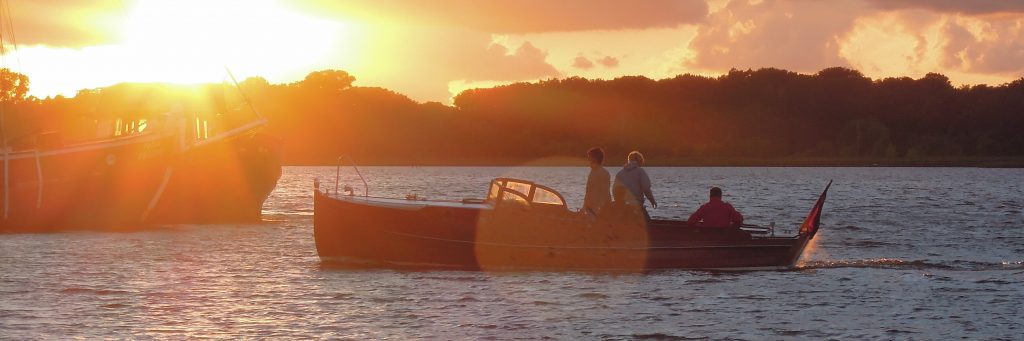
<point>411,204</point>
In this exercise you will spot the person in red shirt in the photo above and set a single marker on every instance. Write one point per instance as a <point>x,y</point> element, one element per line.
<point>716,213</point>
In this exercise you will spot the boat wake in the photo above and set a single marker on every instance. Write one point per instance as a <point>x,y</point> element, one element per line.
<point>900,264</point>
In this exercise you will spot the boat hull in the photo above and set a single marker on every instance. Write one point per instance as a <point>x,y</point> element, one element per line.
<point>135,182</point>
<point>223,182</point>
<point>108,185</point>
<point>362,232</point>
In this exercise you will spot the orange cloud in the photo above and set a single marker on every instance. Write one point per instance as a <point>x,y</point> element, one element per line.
<point>990,46</point>
<point>525,16</point>
<point>970,49</point>
<point>796,35</point>
<point>497,64</point>
<point>66,23</point>
<point>953,6</point>
<point>582,62</point>
<point>421,61</point>
<point>971,41</point>
<point>608,62</point>
<point>903,43</point>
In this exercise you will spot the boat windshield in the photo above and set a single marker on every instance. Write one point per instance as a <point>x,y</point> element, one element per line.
<point>524,192</point>
<point>544,196</point>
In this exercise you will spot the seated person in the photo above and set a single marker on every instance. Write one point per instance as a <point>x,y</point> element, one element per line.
<point>716,213</point>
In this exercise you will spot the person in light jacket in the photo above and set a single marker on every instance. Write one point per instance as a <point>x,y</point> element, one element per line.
<point>632,185</point>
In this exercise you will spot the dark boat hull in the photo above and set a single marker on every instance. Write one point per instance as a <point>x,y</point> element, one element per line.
<point>352,231</point>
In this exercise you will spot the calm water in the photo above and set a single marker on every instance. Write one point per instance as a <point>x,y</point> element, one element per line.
<point>904,253</point>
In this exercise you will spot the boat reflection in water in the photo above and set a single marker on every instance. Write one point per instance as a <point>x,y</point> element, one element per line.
<point>192,164</point>
<point>526,226</point>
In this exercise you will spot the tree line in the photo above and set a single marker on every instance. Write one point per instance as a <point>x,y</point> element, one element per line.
<point>764,116</point>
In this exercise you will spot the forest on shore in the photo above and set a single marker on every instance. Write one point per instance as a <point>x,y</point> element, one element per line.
<point>746,117</point>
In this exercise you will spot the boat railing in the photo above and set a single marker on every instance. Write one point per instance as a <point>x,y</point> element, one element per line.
<point>337,175</point>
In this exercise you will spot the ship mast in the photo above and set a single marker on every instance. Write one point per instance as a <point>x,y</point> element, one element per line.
<point>5,13</point>
<point>6,33</point>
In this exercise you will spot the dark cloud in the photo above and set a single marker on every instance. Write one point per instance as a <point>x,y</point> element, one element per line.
<point>970,7</point>
<point>525,16</point>
<point>609,62</point>
<point>582,62</point>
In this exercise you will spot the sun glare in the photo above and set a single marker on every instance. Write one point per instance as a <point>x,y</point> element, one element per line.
<point>191,41</point>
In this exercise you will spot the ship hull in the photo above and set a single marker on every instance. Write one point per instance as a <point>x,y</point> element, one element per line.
<point>109,184</point>
<point>138,182</point>
<point>224,182</point>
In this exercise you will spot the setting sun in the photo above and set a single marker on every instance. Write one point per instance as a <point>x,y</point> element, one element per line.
<point>191,42</point>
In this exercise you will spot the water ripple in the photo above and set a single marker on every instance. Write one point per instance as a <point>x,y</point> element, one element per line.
<point>899,264</point>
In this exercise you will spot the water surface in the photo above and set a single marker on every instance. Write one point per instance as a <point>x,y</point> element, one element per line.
<point>904,253</point>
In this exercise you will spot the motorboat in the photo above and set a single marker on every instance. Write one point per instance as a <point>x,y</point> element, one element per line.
<point>522,225</point>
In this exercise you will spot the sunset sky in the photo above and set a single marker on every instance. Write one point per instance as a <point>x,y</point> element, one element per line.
<point>431,50</point>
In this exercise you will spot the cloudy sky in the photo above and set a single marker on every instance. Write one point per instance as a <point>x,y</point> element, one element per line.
<point>431,50</point>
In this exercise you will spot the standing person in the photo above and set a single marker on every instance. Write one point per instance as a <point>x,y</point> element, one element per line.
<point>597,195</point>
<point>632,185</point>
<point>716,213</point>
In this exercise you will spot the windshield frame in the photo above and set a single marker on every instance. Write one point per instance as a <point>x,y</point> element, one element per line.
<point>526,191</point>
